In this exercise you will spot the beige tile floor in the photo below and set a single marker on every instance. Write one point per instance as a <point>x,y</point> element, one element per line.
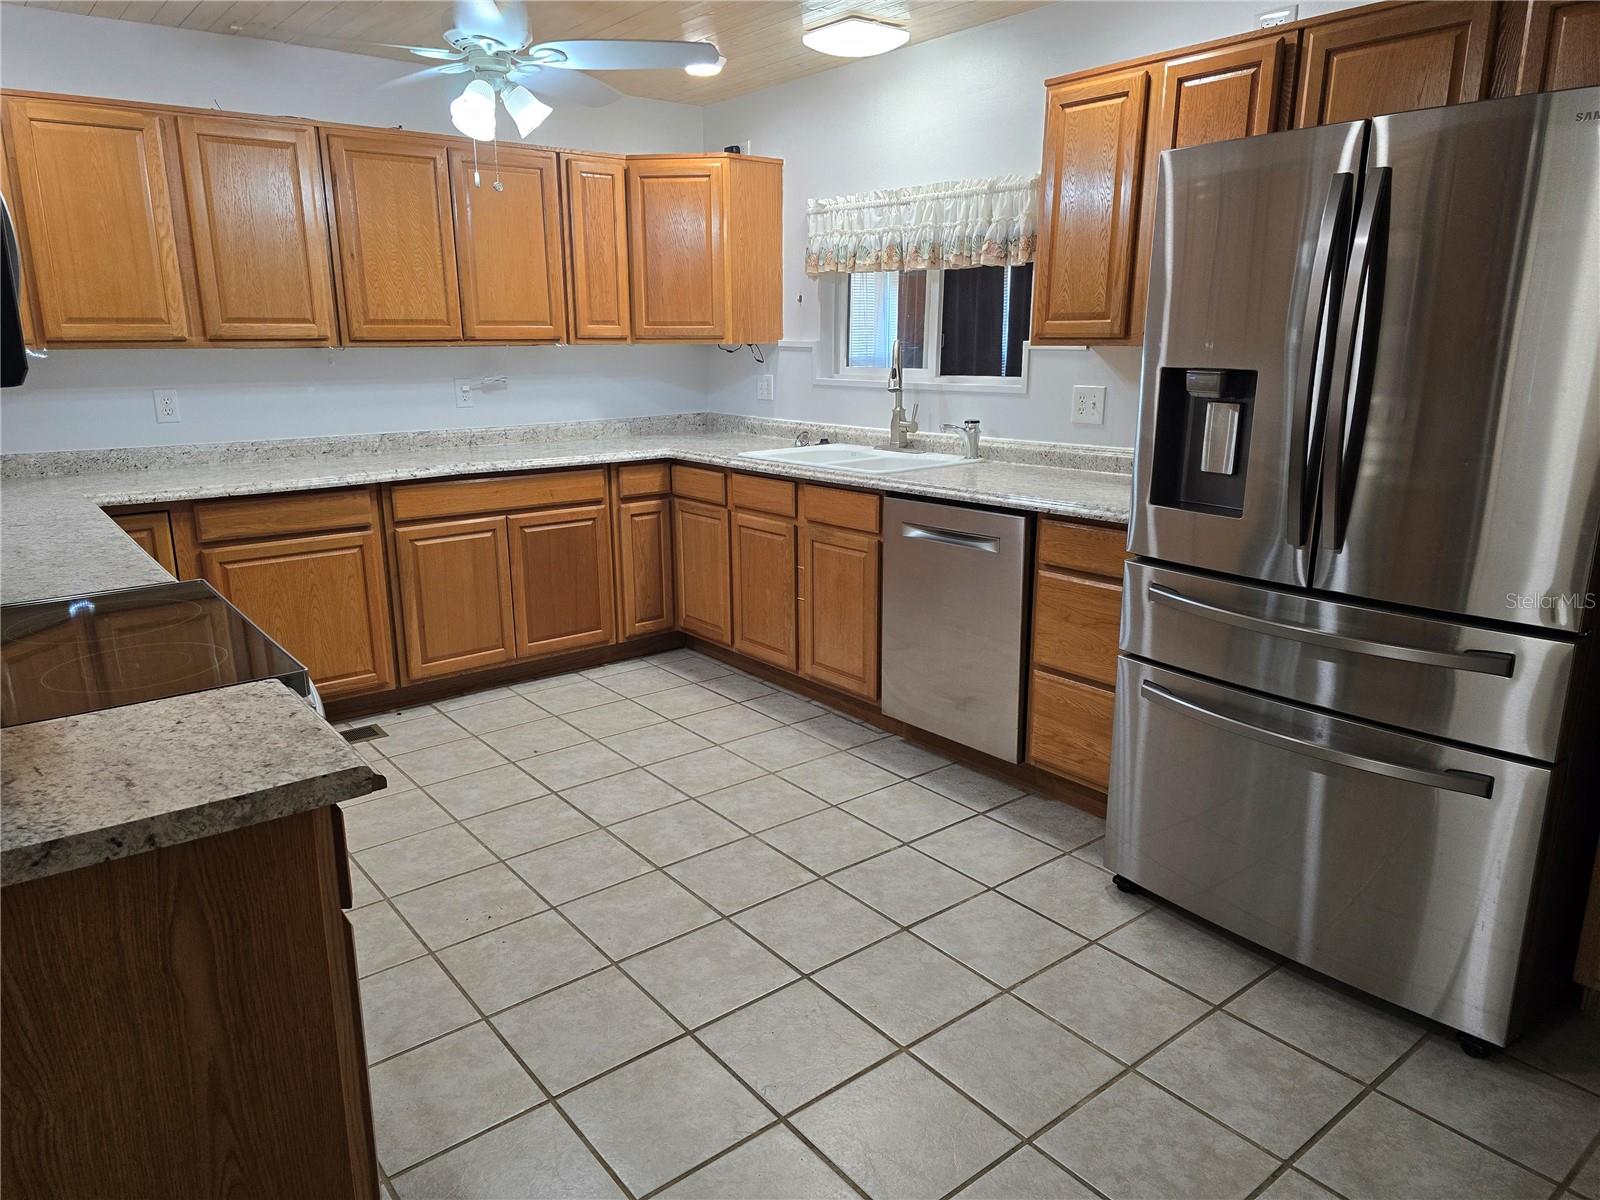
<point>659,928</point>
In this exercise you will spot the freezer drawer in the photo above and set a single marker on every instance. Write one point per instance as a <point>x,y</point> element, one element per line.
<point>1485,687</point>
<point>1401,866</point>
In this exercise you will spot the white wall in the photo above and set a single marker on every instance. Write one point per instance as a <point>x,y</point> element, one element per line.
<point>97,398</point>
<point>969,104</point>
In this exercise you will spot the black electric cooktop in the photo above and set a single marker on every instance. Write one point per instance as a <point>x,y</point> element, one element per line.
<point>84,653</point>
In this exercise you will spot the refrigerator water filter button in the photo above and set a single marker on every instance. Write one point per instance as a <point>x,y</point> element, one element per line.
<point>1220,442</point>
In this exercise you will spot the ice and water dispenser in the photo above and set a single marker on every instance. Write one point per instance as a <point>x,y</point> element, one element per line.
<point>1202,439</point>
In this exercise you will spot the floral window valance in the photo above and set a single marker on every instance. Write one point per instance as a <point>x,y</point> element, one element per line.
<point>944,226</point>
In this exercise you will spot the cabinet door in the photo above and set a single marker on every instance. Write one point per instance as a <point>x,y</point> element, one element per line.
<point>839,609</point>
<point>1394,60</point>
<point>1217,95</point>
<point>508,246</point>
<point>322,598</point>
<point>261,250</point>
<point>98,218</point>
<point>645,553</point>
<point>597,260</point>
<point>153,533</point>
<point>455,595</point>
<point>1094,135</point>
<point>764,588</point>
<point>561,579</point>
<point>675,248</point>
<point>397,249</point>
<point>704,582</point>
<point>1069,728</point>
<point>1561,46</point>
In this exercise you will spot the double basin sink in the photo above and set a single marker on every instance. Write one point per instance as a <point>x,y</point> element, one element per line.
<point>867,460</point>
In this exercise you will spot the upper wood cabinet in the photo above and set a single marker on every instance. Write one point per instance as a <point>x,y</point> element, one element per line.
<point>705,248</point>
<point>1394,60</point>
<point>1093,142</point>
<point>397,249</point>
<point>260,229</point>
<point>561,579</point>
<point>596,195</point>
<point>453,578</point>
<point>97,186</point>
<point>508,246</point>
<point>1560,46</point>
<point>1215,95</point>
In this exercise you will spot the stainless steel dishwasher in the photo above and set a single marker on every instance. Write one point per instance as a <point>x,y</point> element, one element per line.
<point>953,584</point>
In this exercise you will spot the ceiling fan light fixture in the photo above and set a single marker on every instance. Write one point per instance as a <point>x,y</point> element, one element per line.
<point>526,109</point>
<point>472,112</point>
<point>705,69</point>
<point>856,37</point>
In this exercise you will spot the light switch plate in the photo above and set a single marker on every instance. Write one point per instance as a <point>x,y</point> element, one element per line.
<point>1088,404</point>
<point>166,405</point>
<point>763,387</point>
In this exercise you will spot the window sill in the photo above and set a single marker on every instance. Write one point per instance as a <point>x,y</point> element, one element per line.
<point>1010,387</point>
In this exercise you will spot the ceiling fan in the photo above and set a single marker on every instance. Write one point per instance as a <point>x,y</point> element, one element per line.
<point>491,43</point>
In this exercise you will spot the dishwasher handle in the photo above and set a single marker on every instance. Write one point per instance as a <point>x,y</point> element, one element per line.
<point>950,537</point>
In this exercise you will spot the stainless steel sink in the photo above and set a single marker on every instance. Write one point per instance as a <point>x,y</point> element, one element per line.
<point>868,460</point>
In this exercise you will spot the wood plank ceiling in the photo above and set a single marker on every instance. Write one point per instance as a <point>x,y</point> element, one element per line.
<point>759,38</point>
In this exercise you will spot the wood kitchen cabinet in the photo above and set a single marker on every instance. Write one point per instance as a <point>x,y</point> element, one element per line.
<point>1386,59</point>
<point>1560,46</point>
<point>309,570</point>
<point>1072,681</point>
<point>644,548</point>
<point>561,579</point>
<point>396,236</point>
<point>705,248</point>
<point>152,531</point>
<point>840,553</point>
<point>454,582</point>
<point>1093,147</point>
<point>595,192</point>
<point>508,246</point>
<point>104,239</point>
<point>702,557</point>
<point>261,249</point>
<point>765,587</point>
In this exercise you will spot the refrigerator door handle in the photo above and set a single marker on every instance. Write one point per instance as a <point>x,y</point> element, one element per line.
<point>1467,783</point>
<point>1485,662</point>
<point>1354,349</point>
<point>1311,383</point>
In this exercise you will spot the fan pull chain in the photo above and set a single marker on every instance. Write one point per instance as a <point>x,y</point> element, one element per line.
<point>498,186</point>
<point>477,180</point>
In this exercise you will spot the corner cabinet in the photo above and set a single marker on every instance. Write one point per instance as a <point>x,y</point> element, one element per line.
<point>1093,144</point>
<point>102,232</point>
<point>397,250</point>
<point>704,248</point>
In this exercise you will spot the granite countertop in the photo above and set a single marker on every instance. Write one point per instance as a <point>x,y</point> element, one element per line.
<point>86,789</point>
<point>104,785</point>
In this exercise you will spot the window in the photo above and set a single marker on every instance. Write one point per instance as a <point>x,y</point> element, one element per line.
<point>966,324</point>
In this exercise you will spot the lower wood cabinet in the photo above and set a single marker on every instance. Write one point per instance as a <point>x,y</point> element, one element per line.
<point>644,559</point>
<point>320,596</point>
<point>454,581</point>
<point>704,580</point>
<point>561,579</point>
<point>764,588</point>
<point>1069,728</point>
<point>839,609</point>
<point>153,533</point>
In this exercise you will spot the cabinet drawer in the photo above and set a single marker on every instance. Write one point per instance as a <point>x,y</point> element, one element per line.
<point>1075,625</point>
<point>698,483</point>
<point>495,493</point>
<point>837,506</point>
<point>644,479</point>
<point>774,496</point>
<point>293,512</point>
<point>1069,728</point>
<point>1097,549</point>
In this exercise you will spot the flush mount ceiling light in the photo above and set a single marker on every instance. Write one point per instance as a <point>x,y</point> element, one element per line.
<point>856,37</point>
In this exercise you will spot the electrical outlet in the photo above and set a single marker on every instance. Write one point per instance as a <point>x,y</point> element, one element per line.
<point>166,405</point>
<point>763,387</point>
<point>1088,404</point>
<point>465,397</point>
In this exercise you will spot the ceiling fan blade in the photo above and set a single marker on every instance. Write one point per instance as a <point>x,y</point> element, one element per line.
<point>617,54</point>
<point>443,53</point>
<point>573,87</point>
<point>506,22</point>
<point>427,73</point>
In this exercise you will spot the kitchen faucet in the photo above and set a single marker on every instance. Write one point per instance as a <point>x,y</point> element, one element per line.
<point>901,427</point>
<point>970,430</point>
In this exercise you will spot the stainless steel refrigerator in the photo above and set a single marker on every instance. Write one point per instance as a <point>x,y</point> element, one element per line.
<point>1354,716</point>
